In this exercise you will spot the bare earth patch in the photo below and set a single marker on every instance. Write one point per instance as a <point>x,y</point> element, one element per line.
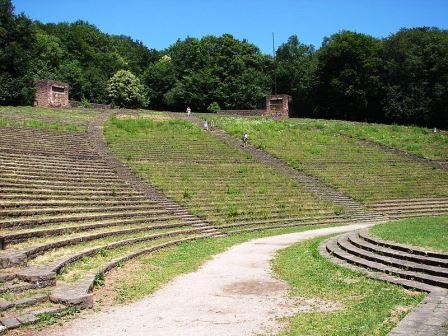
<point>235,293</point>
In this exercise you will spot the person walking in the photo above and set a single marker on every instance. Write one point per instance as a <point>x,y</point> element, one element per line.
<point>206,125</point>
<point>245,139</point>
<point>188,111</point>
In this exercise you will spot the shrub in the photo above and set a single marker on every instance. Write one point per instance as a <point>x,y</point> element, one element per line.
<point>125,90</point>
<point>213,107</point>
<point>85,103</point>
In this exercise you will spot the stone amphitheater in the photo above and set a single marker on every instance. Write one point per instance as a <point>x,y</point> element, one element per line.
<point>67,195</point>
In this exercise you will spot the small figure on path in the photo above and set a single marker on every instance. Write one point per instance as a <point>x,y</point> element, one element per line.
<point>188,111</point>
<point>245,139</point>
<point>206,125</point>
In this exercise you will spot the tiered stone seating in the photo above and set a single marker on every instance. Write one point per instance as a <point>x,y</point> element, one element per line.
<point>411,267</point>
<point>416,207</point>
<point>61,203</point>
<point>220,183</point>
<point>420,267</point>
<point>385,179</point>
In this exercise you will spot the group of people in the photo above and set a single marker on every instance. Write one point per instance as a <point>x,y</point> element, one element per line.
<point>208,127</point>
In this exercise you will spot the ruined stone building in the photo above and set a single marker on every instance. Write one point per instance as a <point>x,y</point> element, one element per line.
<point>51,93</point>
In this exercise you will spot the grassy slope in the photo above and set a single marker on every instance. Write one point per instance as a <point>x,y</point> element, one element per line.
<point>212,179</point>
<point>56,119</point>
<point>430,233</point>
<point>417,140</point>
<point>319,149</point>
<point>413,139</point>
<point>370,307</point>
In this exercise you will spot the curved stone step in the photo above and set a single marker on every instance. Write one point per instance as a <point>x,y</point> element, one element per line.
<point>357,241</point>
<point>13,258</point>
<point>17,237</point>
<point>334,249</point>
<point>364,234</point>
<point>30,222</point>
<point>63,210</point>
<point>346,244</point>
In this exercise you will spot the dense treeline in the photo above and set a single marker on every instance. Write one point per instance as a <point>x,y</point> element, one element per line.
<point>353,76</point>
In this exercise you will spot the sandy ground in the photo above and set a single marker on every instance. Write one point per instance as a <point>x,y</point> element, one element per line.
<point>233,294</point>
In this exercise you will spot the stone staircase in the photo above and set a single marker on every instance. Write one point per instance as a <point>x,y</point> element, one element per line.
<point>63,198</point>
<point>413,268</point>
<point>357,211</point>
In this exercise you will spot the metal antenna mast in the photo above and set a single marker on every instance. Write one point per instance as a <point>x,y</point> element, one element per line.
<point>275,63</point>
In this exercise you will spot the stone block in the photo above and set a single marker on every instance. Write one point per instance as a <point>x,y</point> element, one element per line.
<point>10,322</point>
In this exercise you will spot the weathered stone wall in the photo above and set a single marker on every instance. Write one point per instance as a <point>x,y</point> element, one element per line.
<point>51,94</point>
<point>75,103</point>
<point>277,106</point>
<point>242,112</point>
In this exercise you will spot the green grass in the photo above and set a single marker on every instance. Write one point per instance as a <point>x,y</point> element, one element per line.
<point>47,118</point>
<point>367,307</point>
<point>212,179</point>
<point>317,147</point>
<point>430,233</point>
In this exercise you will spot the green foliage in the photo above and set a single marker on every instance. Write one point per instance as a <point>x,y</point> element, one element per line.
<point>17,45</point>
<point>294,73</point>
<point>125,90</point>
<point>99,280</point>
<point>213,107</point>
<point>399,79</point>
<point>348,84</point>
<point>416,77</point>
<point>85,103</point>
<point>220,69</point>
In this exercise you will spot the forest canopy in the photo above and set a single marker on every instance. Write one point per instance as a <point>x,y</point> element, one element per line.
<point>402,78</point>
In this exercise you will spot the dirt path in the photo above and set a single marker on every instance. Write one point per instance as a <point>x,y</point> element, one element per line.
<point>232,294</point>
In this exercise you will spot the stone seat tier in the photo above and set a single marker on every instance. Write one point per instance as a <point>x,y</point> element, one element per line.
<point>30,211</point>
<point>15,258</point>
<point>401,247</point>
<point>33,222</point>
<point>341,248</point>
<point>347,245</point>
<point>359,242</point>
<point>20,236</point>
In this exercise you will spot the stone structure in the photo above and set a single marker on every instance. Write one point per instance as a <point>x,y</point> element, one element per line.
<point>275,106</point>
<point>51,93</point>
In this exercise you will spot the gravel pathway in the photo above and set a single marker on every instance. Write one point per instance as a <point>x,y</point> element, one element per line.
<point>232,294</point>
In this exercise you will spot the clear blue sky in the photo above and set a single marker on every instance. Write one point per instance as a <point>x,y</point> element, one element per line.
<point>159,23</point>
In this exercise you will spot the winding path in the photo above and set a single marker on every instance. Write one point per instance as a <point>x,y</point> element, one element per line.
<point>232,294</point>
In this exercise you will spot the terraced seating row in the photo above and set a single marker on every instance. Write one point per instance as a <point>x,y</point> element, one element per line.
<point>66,215</point>
<point>421,267</point>
<point>215,180</point>
<point>49,118</point>
<point>360,169</point>
<point>407,266</point>
<point>417,207</point>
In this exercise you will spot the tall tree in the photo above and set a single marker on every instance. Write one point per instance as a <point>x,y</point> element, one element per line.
<point>17,48</point>
<point>294,71</point>
<point>416,77</point>
<point>348,77</point>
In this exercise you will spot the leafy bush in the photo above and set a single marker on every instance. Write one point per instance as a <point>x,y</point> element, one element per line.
<point>125,90</point>
<point>213,107</point>
<point>85,103</point>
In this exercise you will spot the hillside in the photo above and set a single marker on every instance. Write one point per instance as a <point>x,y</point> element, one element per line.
<point>75,204</point>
